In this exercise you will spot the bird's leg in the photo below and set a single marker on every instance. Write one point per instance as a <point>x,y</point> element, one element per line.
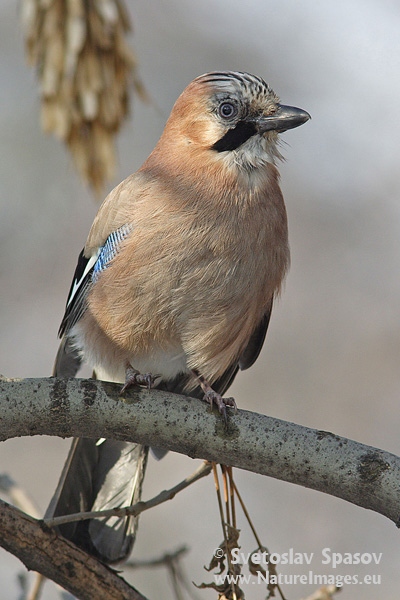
<point>133,377</point>
<point>214,397</point>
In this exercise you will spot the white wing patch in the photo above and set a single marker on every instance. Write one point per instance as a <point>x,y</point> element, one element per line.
<point>77,283</point>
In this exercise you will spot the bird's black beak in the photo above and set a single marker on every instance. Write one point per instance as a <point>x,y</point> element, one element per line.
<point>286,117</point>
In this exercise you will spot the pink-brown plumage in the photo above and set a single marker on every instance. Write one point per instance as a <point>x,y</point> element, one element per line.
<point>199,269</point>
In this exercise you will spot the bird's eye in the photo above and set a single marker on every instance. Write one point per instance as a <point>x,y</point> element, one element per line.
<point>227,110</point>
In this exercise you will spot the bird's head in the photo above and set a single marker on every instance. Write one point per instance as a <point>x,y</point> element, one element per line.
<point>235,116</point>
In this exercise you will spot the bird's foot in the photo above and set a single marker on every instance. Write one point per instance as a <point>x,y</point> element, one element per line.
<point>133,377</point>
<point>214,397</point>
<point>221,403</point>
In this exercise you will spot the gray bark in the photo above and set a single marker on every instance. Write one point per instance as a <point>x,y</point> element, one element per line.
<point>320,460</point>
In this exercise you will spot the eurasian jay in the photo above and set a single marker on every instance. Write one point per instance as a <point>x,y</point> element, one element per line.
<point>175,285</point>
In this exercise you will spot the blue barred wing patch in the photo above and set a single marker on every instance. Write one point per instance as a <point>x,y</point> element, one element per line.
<point>110,249</point>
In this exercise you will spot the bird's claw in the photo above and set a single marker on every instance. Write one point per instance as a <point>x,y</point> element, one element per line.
<point>221,403</point>
<point>133,377</point>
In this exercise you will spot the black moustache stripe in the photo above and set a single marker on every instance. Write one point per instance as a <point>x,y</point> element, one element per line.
<point>235,137</point>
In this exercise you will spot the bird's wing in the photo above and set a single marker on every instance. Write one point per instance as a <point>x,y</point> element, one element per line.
<point>116,210</point>
<point>86,274</point>
<point>253,348</point>
<point>80,285</point>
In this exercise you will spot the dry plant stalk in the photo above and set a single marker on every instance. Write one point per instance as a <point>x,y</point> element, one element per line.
<point>85,69</point>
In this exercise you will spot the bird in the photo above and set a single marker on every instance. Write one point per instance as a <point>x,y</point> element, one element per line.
<point>175,285</point>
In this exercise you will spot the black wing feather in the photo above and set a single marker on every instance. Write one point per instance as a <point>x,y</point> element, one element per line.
<point>76,303</point>
<point>253,348</point>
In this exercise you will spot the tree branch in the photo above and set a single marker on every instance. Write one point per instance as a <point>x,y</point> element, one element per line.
<point>41,549</point>
<point>319,460</point>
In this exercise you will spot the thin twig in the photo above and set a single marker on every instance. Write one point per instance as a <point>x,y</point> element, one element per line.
<point>184,581</point>
<point>172,561</point>
<point>36,587</point>
<point>135,509</point>
<point>226,494</point>
<point>223,523</point>
<point>253,529</point>
<point>160,561</point>
<point>173,574</point>
<point>324,593</point>
<point>232,494</point>
<point>18,496</point>
<point>221,510</point>
<point>246,513</point>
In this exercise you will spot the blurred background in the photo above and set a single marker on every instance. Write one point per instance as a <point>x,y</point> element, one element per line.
<point>331,359</point>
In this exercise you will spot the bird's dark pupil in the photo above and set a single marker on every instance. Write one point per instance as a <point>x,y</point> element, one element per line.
<point>226,110</point>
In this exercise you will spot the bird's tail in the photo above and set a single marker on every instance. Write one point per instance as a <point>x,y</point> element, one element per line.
<point>98,475</point>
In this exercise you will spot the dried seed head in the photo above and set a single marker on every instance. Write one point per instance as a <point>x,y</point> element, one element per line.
<point>85,69</point>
